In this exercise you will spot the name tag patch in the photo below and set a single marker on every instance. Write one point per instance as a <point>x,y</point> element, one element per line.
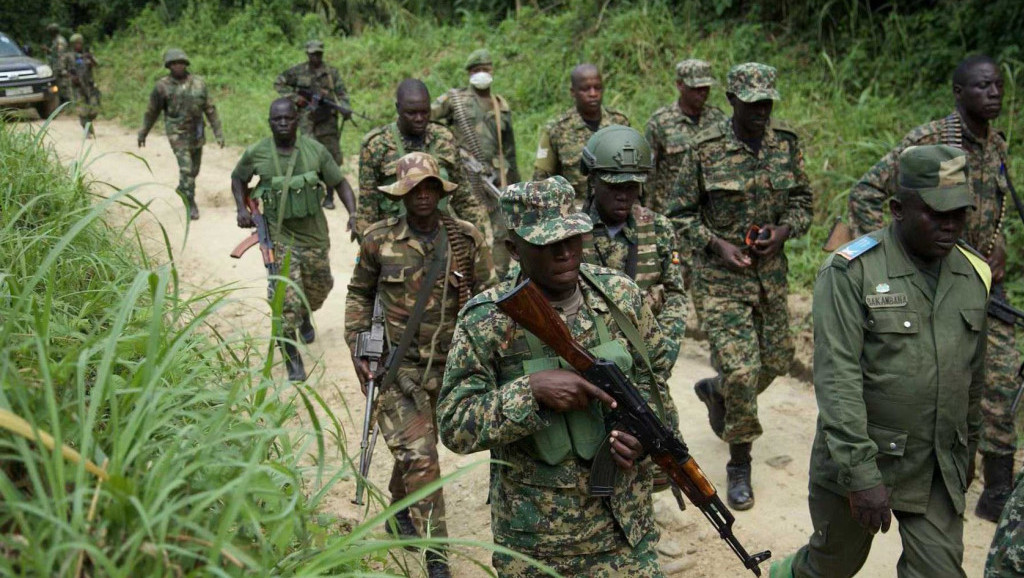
<point>886,300</point>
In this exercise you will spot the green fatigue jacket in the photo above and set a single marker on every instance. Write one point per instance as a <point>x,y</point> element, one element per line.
<point>560,146</point>
<point>898,371</point>
<point>481,114</point>
<point>78,68</point>
<point>486,404</point>
<point>313,165</point>
<point>393,262</point>
<point>378,160</point>
<point>669,131</point>
<point>723,188</point>
<point>183,103</point>
<point>644,250</point>
<point>58,46</point>
<point>986,159</point>
<point>1006,555</point>
<point>323,121</point>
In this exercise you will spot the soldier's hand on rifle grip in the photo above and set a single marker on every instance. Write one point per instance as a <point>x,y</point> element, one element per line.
<point>626,449</point>
<point>244,219</point>
<point>997,263</point>
<point>870,508</point>
<point>734,257</point>
<point>769,245</point>
<point>362,371</point>
<point>562,390</point>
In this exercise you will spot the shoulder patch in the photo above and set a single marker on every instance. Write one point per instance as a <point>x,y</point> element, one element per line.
<point>857,247</point>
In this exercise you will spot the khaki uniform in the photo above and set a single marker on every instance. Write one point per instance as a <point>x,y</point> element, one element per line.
<point>898,375</point>
<point>560,147</point>
<point>393,263</point>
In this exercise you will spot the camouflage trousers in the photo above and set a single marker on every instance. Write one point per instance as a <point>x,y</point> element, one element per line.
<point>750,347</point>
<point>87,103</point>
<point>639,562</point>
<point>1006,555</point>
<point>310,272</point>
<point>998,432</point>
<point>190,157</point>
<point>408,421</point>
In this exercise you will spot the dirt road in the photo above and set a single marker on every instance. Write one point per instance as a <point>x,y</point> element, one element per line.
<point>779,522</point>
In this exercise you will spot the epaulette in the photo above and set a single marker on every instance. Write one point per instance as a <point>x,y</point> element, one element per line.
<point>602,271</point>
<point>779,125</point>
<point>382,224</point>
<point>711,133</point>
<point>612,111</point>
<point>978,262</point>
<point>856,248</point>
<point>374,132</point>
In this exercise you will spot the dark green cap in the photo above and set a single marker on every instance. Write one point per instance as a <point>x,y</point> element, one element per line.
<point>478,57</point>
<point>938,173</point>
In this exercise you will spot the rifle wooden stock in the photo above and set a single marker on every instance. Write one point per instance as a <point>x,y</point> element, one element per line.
<point>528,307</point>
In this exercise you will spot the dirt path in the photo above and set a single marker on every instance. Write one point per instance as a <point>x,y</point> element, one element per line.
<point>779,522</point>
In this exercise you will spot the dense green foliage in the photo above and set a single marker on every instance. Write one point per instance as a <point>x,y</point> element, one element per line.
<point>207,471</point>
<point>844,130</point>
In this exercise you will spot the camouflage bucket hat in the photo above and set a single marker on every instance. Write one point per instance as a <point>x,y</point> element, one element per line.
<point>752,81</point>
<point>478,57</point>
<point>938,173</point>
<point>413,169</point>
<point>314,46</point>
<point>695,73</point>
<point>543,212</point>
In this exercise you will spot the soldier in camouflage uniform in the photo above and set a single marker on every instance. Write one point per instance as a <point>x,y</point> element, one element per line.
<point>411,132</point>
<point>306,83</point>
<point>292,170</point>
<point>503,392</point>
<point>672,127</point>
<point>978,91</point>
<point>561,141</point>
<point>78,64</point>
<point>491,119</point>
<point>395,260</point>
<point>738,174</point>
<point>55,56</point>
<point>183,99</point>
<point>1006,556</point>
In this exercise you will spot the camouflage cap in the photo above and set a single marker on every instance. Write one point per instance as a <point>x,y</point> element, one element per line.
<point>478,57</point>
<point>413,169</point>
<point>753,81</point>
<point>314,46</point>
<point>938,173</point>
<point>695,73</point>
<point>543,212</point>
<point>53,27</point>
<point>76,37</point>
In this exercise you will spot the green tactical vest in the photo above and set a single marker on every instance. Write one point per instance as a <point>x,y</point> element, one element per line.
<point>393,206</point>
<point>300,195</point>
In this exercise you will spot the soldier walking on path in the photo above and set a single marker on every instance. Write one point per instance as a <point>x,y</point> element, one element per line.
<point>1006,555</point>
<point>292,171</point>
<point>423,266</point>
<point>504,392</point>
<point>899,350</point>
<point>78,64</point>
<point>412,132</point>
<point>741,180</point>
<point>307,84</point>
<point>561,141</point>
<point>183,99</point>
<point>55,56</point>
<point>978,93</point>
<point>482,124</point>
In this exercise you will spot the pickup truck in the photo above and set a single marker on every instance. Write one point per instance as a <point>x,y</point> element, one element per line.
<point>25,81</point>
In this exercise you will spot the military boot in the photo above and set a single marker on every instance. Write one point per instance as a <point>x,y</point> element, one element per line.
<point>306,331</point>
<point>193,208</point>
<point>437,564</point>
<point>293,361</point>
<point>740,495</point>
<point>706,392</point>
<point>401,526</point>
<point>998,486</point>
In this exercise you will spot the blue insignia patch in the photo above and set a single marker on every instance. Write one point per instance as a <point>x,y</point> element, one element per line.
<point>857,248</point>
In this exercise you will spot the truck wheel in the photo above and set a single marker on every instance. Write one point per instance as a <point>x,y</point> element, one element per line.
<point>46,106</point>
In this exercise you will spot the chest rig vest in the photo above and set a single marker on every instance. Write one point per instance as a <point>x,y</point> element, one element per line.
<point>641,264</point>
<point>287,195</point>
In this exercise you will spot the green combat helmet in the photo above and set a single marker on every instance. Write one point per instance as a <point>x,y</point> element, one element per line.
<point>617,154</point>
<point>175,55</point>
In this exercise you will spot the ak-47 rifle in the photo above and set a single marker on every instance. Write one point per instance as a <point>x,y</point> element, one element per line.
<point>261,237</point>
<point>369,346</point>
<point>316,100</point>
<point>529,308</point>
<point>480,177</point>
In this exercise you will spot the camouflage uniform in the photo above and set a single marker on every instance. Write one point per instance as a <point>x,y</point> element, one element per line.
<point>393,262</point>
<point>561,145</point>
<point>321,124</point>
<point>58,46</point>
<point>86,97</point>
<point>722,189</point>
<point>669,131</point>
<point>986,160</point>
<point>1006,556</point>
<point>540,507</point>
<point>183,104</point>
<point>483,116</point>
<point>305,237</point>
<point>378,158</point>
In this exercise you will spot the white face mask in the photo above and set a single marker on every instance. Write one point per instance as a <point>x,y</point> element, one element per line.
<point>481,80</point>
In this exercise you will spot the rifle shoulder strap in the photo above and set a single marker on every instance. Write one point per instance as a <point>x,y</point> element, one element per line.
<point>634,338</point>
<point>437,264</point>
<point>501,147</point>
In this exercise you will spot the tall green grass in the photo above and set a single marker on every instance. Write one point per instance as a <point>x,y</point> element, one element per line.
<point>174,451</point>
